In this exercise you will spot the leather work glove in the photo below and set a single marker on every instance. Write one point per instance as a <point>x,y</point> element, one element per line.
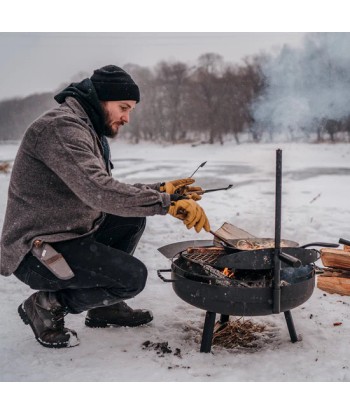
<point>191,213</point>
<point>181,186</point>
<point>193,192</point>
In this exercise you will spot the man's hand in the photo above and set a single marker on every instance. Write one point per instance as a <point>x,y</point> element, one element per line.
<point>191,213</point>
<point>182,187</point>
<point>176,186</point>
<point>193,192</point>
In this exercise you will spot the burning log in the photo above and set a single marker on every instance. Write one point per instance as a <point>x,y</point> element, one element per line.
<point>228,273</point>
<point>223,279</point>
<point>220,277</point>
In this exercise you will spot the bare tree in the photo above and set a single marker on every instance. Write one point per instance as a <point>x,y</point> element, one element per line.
<point>206,97</point>
<point>145,118</point>
<point>172,90</point>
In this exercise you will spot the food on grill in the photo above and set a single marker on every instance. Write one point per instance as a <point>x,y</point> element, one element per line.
<point>207,249</point>
<point>248,245</point>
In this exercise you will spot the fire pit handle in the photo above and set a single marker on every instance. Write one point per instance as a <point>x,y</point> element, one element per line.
<point>323,244</point>
<point>161,276</point>
<point>290,260</point>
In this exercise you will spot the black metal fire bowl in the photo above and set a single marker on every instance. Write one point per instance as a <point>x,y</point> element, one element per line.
<point>238,301</point>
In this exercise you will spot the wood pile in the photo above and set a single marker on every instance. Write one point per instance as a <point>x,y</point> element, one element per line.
<point>335,278</point>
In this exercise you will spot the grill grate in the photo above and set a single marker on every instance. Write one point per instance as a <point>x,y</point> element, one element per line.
<point>208,258</point>
<point>203,258</point>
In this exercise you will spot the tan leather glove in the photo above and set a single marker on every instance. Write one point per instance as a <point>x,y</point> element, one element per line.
<point>191,213</point>
<point>193,192</point>
<point>182,187</point>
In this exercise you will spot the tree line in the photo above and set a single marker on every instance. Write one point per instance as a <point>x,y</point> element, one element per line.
<point>206,102</point>
<point>179,103</point>
<point>18,113</point>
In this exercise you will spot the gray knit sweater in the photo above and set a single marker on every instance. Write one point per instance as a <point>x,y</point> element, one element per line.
<point>60,187</point>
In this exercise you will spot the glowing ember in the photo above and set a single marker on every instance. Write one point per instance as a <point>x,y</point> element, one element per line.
<point>228,273</point>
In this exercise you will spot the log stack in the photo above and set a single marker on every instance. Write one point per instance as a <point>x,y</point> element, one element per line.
<point>335,278</point>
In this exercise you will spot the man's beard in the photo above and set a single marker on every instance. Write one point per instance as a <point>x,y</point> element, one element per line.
<point>110,128</point>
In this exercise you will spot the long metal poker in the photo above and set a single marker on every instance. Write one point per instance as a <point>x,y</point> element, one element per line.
<point>201,165</point>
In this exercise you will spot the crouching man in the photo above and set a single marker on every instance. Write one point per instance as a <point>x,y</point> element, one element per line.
<point>71,229</point>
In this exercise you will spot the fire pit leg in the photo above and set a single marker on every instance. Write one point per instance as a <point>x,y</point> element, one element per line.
<point>208,331</point>
<point>224,318</point>
<point>290,325</point>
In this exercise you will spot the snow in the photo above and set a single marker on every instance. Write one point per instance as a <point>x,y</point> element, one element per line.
<point>314,208</point>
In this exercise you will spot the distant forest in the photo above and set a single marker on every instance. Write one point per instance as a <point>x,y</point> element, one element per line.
<point>206,103</point>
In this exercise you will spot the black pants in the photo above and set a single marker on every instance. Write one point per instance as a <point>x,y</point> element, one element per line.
<point>105,270</point>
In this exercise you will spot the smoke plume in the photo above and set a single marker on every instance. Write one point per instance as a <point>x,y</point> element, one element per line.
<point>307,85</point>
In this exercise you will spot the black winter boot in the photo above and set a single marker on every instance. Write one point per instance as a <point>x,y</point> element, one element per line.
<point>45,315</point>
<point>119,314</point>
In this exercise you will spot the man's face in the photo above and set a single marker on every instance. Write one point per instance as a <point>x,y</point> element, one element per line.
<point>116,113</point>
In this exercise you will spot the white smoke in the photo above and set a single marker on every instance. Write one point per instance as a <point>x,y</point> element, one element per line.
<point>307,84</point>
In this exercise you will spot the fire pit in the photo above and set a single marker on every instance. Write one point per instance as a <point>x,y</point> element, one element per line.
<point>253,282</point>
<point>251,293</point>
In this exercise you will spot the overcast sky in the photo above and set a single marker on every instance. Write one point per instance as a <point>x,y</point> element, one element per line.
<point>40,62</point>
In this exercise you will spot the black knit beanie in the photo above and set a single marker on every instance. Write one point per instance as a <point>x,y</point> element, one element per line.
<point>114,84</point>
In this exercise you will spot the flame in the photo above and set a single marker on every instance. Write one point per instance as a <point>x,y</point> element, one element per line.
<point>228,273</point>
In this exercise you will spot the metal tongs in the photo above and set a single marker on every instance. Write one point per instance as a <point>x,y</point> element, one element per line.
<point>201,165</point>
<point>211,190</point>
<point>208,190</point>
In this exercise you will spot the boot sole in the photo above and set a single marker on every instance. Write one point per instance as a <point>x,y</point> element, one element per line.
<point>102,324</point>
<point>22,313</point>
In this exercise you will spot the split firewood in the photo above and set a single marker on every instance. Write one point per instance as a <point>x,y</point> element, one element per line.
<point>335,272</point>
<point>335,258</point>
<point>334,285</point>
<point>346,244</point>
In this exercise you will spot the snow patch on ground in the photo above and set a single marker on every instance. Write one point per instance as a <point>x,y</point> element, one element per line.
<point>315,199</point>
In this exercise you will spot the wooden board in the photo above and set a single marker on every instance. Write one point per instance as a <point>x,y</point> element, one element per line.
<point>229,231</point>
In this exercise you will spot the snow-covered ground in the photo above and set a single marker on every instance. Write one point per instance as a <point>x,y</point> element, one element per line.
<point>314,208</point>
